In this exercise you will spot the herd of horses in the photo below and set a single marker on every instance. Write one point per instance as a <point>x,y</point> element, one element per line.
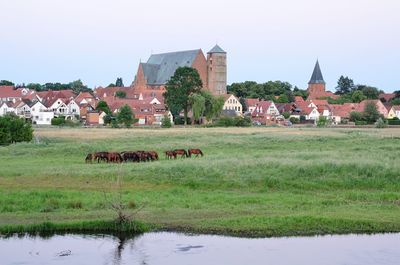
<point>139,156</point>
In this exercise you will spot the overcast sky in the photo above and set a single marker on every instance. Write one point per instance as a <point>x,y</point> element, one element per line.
<point>98,40</point>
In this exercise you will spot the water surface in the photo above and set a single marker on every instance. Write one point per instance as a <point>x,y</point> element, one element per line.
<point>175,248</point>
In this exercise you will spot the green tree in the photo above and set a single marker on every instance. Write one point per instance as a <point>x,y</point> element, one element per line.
<point>371,113</point>
<point>119,82</point>
<point>356,116</point>
<point>198,104</point>
<point>182,84</point>
<point>358,96</point>
<point>77,86</point>
<point>282,99</point>
<point>369,92</point>
<point>125,116</point>
<point>103,106</point>
<point>345,85</point>
<point>120,94</point>
<point>6,83</point>
<point>35,86</point>
<point>14,129</point>
<point>166,122</point>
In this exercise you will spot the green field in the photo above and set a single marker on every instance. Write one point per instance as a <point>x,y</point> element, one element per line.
<point>252,181</point>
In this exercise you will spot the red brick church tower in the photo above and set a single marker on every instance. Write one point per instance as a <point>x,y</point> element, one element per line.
<point>316,86</point>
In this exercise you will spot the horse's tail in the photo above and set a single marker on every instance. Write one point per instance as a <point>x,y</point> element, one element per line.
<point>186,153</point>
<point>201,153</point>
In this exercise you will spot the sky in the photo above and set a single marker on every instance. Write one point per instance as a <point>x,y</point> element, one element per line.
<point>99,40</point>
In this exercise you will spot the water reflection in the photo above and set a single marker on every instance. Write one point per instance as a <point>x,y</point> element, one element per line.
<point>174,248</point>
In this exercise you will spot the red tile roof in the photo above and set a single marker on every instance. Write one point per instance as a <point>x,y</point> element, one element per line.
<point>387,96</point>
<point>9,92</point>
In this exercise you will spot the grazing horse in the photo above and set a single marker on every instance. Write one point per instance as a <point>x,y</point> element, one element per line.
<point>181,152</point>
<point>89,158</point>
<point>114,157</point>
<point>153,155</point>
<point>170,154</point>
<point>196,152</point>
<point>101,156</point>
<point>130,156</point>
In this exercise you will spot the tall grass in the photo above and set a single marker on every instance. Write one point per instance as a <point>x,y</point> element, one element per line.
<point>251,180</point>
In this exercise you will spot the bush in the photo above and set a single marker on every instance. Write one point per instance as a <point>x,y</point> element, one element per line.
<point>356,116</point>
<point>322,121</point>
<point>14,129</point>
<point>166,122</point>
<point>232,122</point>
<point>380,123</point>
<point>58,121</point>
<point>294,120</point>
<point>394,122</point>
<point>286,115</point>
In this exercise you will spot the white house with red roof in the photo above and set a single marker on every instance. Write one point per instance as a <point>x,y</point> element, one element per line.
<point>232,103</point>
<point>6,108</point>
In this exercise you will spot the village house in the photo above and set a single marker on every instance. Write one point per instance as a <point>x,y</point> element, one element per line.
<point>265,112</point>
<point>6,108</point>
<point>232,103</point>
<point>393,111</point>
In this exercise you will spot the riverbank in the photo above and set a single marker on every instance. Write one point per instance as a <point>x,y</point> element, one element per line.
<point>251,182</point>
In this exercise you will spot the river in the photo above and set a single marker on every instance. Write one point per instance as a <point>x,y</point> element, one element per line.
<point>176,248</point>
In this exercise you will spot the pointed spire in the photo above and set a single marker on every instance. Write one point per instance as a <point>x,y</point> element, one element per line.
<point>317,77</point>
<point>217,49</point>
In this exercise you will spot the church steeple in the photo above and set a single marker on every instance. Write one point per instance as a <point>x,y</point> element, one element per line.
<point>317,77</point>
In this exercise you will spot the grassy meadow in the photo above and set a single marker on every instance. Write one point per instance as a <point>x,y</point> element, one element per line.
<point>251,181</point>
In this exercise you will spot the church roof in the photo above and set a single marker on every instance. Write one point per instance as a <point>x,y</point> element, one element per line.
<point>317,77</point>
<point>217,49</point>
<point>160,67</point>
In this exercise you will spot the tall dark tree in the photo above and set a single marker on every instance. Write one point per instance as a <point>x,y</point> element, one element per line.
<point>182,84</point>
<point>119,82</point>
<point>345,85</point>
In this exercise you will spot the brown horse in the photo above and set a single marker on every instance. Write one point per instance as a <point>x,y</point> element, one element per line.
<point>131,156</point>
<point>181,152</point>
<point>154,155</point>
<point>170,154</point>
<point>101,156</point>
<point>196,152</point>
<point>114,157</point>
<point>89,158</point>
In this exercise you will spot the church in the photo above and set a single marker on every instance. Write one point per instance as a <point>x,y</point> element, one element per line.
<point>317,86</point>
<point>152,76</point>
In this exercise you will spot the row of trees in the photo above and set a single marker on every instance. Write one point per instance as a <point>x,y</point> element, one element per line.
<point>349,92</point>
<point>77,86</point>
<point>14,129</point>
<point>184,93</point>
<point>267,91</point>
